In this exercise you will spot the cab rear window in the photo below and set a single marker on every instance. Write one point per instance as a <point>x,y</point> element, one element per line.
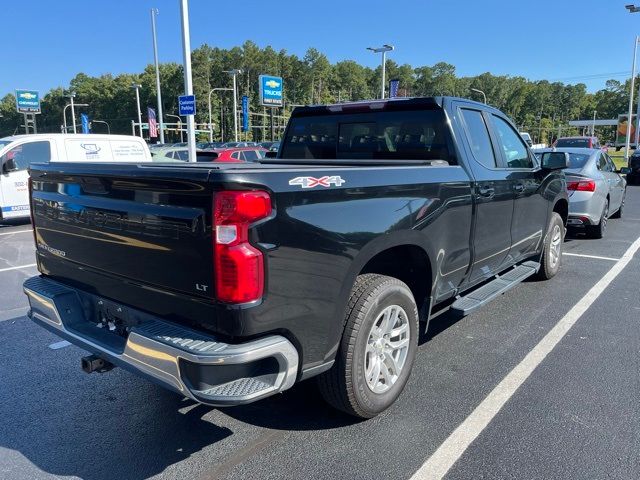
<point>395,135</point>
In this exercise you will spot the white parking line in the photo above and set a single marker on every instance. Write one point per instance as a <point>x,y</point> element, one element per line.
<point>457,443</point>
<point>17,231</point>
<point>597,257</point>
<point>20,267</point>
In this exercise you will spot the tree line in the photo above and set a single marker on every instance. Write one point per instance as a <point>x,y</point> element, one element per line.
<point>539,107</point>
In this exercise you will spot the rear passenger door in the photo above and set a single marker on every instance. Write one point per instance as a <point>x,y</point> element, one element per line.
<point>493,196</point>
<point>616,187</point>
<point>530,208</point>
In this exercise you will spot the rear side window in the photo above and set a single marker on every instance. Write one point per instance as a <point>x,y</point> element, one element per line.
<point>250,155</point>
<point>395,135</point>
<point>28,153</point>
<point>478,136</point>
<point>601,163</point>
<point>573,142</point>
<point>515,151</point>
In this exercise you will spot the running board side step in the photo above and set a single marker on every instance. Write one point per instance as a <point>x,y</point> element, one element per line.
<point>496,287</point>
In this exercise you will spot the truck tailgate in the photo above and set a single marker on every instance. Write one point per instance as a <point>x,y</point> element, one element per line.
<point>126,222</point>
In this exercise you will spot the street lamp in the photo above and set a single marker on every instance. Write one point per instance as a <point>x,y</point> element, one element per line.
<point>154,12</point>
<point>102,121</point>
<point>71,96</point>
<point>632,8</point>
<point>383,50</point>
<point>179,125</point>
<point>477,90</point>
<point>188,81</point>
<point>64,114</point>
<point>235,73</point>
<point>210,121</point>
<point>137,88</point>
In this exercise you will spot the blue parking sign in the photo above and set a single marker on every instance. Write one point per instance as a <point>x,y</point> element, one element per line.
<point>271,91</point>
<point>186,105</point>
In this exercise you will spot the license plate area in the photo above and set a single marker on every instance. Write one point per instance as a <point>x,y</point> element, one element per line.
<point>113,318</point>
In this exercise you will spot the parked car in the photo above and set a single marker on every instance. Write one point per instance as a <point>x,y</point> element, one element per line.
<point>633,177</point>
<point>19,151</point>
<point>231,284</point>
<point>596,189</point>
<point>527,138</point>
<point>239,144</point>
<point>244,154</point>
<point>271,146</point>
<point>577,142</point>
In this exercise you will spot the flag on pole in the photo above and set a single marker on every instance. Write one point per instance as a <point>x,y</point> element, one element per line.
<point>153,124</point>
<point>393,88</point>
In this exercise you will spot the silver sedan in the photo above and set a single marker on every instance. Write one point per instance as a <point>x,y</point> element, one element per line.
<point>596,189</point>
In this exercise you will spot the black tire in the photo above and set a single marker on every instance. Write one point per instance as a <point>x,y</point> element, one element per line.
<point>344,386</point>
<point>619,212</point>
<point>551,257</point>
<point>597,231</point>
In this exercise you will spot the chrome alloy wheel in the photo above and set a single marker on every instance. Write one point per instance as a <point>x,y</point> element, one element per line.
<point>387,348</point>
<point>555,247</point>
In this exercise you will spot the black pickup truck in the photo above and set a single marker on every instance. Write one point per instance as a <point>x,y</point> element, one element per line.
<point>230,282</point>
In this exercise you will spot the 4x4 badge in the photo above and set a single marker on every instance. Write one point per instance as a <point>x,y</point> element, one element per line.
<point>311,182</point>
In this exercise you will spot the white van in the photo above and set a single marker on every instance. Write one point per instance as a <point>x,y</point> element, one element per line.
<point>19,151</point>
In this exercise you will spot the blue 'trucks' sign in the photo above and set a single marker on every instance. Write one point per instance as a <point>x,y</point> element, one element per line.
<point>271,91</point>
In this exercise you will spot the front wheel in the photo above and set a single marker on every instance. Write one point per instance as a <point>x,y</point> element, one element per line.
<point>377,350</point>
<point>552,248</point>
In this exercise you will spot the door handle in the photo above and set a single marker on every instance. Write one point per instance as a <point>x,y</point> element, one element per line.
<point>486,191</point>
<point>519,187</point>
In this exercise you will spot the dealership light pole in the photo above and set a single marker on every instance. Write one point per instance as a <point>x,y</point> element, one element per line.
<point>210,121</point>
<point>64,113</point>
<point>477,90</point>
<point>137,88</point>
<point>188,82</point>
<point>105,123</point>
<point>71,96</point>
<point>234,73</point>
<point>630,115</point>
<point>383,50</point>
<point>154,12</point>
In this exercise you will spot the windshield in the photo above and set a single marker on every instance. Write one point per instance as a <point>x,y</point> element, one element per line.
<point>396,135</point>
<point>573,142</point>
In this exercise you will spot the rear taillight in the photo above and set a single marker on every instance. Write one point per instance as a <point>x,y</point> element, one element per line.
<point>586,185</point>
<point>33,223</point>
<point>239,266</point>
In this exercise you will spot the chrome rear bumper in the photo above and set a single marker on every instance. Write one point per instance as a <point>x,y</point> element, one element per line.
<point>189,362</point>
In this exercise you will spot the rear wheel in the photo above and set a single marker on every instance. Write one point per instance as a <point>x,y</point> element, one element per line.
<point>377,350</point>
<point>618,214</point>
<point>597,231</point>
<point>552,248</point>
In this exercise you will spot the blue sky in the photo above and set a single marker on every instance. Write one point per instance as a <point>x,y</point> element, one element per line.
<point>47,42</point>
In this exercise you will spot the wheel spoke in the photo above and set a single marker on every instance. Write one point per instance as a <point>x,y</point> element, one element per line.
<point>396,344</point>
<point>396,332</point>
<point>386,374</point>
<point>374,373</point>
<point>391,363</point>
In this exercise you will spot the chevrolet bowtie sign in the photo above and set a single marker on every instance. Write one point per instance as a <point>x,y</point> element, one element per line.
<point>28,101</point>
<point>271,91</point>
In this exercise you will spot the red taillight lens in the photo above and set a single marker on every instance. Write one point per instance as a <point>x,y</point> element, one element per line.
<point>587,185</point>
<point>239,266</point>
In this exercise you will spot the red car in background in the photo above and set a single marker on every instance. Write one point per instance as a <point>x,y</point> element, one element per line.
<point>232,155</point>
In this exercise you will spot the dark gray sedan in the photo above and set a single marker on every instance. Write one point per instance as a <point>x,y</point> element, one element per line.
<point>596,189</point>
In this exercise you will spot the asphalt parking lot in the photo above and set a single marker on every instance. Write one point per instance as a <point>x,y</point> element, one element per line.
<point>575,416</point>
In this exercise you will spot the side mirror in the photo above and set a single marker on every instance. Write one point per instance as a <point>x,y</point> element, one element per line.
<point>555,160</point>
<point>270,154</point>
<point>9,165</point>
<point>624,171</point>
